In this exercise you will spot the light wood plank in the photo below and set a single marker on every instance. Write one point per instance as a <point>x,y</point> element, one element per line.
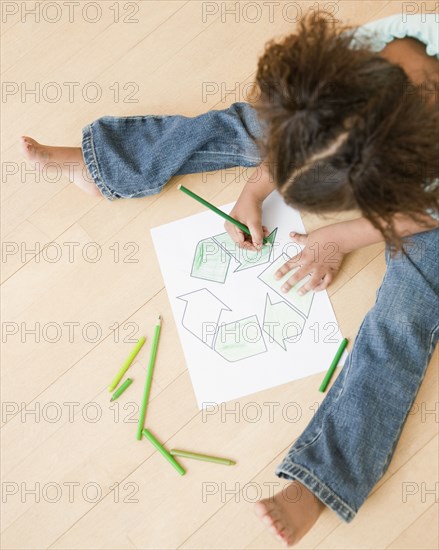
<point>422,534</point>
<point>171,53</point>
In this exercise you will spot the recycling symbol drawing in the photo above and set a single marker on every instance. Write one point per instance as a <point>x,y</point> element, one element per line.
<point>285,314</point>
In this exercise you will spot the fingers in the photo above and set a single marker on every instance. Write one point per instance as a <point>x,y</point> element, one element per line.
<point>247,245</point>
<point>324,283</point>
<point>300,238</point>
<point>314,281</point>
<point>297,276</point>
<point>317,283</point>
<point>235,233</point>
<point>319,276</point>
<point>254,241</point>
<point>257,235</point>
<point>287,267</point>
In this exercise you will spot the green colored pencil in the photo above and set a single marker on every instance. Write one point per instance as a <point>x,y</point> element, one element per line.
<point>120,390</point>
<point>241,226</point>
<point>127,363</point>
<point>333,366</point>
<point>164,452</point>
<point>155,343</point>
<point>206,458</point>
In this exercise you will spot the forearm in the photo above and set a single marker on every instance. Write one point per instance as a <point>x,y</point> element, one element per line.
<point>357,233</point>
<point>260,185</point>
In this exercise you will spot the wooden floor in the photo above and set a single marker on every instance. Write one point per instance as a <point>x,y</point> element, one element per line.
<point>73,475</point>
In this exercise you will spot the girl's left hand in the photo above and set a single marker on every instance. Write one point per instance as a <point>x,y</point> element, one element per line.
<point>321,258</point>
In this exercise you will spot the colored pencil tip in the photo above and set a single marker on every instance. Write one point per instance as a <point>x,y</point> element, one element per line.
<point>179,186</point>
<point>159,320</point>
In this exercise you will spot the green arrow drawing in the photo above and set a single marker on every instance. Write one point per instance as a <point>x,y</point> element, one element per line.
<point>240,339</point>
<point>301,303</point>
<point>245,257</point>
<point>201,315</point>
<point>281,322</point>
<point>210,262</point>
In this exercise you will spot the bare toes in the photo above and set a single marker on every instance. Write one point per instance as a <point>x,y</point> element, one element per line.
<point>279,533</point>
<point>262,508</point>
<point>267,520</point>
<point>275,532</point>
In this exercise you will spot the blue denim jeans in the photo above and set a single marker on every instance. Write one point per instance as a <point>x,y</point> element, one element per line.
<point>348,444</point>
<point>136,156</point>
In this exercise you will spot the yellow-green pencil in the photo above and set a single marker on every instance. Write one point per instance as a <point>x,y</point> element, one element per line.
<point>127,363</point>
<point>206,458</point>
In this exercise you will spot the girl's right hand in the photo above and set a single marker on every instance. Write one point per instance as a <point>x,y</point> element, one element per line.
<point>248,211</point>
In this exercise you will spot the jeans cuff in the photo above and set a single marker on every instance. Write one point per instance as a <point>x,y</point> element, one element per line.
<point>289,470</point>
<point>89,155</point>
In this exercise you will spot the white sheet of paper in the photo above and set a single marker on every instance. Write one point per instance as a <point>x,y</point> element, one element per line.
<point>239,333</point>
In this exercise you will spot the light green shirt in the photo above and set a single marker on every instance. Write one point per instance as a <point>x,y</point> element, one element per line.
<point>424,28</point>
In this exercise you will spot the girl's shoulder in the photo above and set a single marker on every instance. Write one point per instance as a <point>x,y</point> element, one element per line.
<point>376,34</point>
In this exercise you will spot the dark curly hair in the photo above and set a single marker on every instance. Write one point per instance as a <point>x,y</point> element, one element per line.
<point>345,128</point>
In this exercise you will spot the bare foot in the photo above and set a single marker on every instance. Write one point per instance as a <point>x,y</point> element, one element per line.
<point>68,160</point>
<point>290,514</point>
